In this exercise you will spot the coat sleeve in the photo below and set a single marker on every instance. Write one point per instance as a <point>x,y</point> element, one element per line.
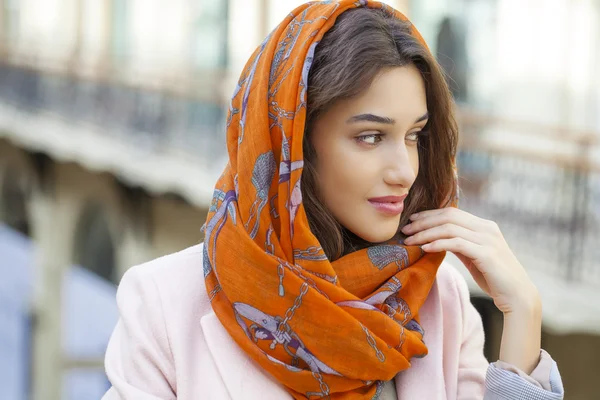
<point>138,360</point>
<point>472,364</point>
<point>499,380</point>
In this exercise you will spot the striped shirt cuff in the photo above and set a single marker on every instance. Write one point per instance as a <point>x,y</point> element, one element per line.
<point>501,384</point>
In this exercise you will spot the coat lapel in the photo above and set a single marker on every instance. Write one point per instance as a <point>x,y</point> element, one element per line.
<point>425,378</point>
<point>243,378</point>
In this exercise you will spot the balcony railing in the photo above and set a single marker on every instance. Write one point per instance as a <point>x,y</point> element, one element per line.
<point>547,204</point>
<point>158,121</point>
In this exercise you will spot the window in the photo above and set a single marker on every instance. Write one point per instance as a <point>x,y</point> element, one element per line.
<point>95,248</point>
<point>119,35</point>
<point>209,34</point>
<point>13,202</point>
<point>10,21</point>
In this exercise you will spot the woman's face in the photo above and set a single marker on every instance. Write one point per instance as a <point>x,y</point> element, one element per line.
<point>366,153</point>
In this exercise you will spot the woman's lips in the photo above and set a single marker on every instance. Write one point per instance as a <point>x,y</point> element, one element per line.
<point>390,205</point>
<point>388,208</point>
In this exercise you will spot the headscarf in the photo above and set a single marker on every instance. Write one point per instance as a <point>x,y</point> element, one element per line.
<point>320,328</point>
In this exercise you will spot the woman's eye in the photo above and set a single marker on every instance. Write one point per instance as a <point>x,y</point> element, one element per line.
<point>415,136</point>
<point>370,139</point>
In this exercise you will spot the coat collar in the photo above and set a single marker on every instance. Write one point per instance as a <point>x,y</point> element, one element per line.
<point>242,376</point>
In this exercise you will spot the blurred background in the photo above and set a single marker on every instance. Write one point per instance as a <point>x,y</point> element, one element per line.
<point>112,135</point>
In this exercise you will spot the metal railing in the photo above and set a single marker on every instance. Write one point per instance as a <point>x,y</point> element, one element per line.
<point>156,120</point>
<point>547,205</point>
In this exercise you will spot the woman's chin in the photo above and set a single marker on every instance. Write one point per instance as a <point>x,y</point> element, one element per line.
<point>378,235</point>
<point>372,226</point>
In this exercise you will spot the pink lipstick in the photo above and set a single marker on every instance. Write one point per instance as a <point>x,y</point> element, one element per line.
<point>390,205</point>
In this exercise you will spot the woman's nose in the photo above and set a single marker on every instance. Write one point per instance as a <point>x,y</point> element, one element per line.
<point>400,167</point>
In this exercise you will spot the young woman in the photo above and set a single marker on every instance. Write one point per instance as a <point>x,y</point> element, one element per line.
<point>322,274</point>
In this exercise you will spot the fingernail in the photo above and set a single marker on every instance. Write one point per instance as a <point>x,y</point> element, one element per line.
<point>408,240</point>
<point>414,216</point>
<point>406,228</point>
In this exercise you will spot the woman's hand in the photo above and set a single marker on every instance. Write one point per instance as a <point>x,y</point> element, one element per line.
<point>479,244</point>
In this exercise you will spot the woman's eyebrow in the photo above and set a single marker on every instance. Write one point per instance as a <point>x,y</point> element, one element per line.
<point>371,118</point>
<point>422,117</point>
<point>379,119</point>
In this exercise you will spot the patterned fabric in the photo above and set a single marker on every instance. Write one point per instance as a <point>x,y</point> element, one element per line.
<point>321,328</point>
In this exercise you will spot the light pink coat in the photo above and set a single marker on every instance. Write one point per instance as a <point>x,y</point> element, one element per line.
<point>169,344</point>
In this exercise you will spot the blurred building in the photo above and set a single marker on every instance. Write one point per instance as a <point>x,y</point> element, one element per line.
<point>112,116</point>
<point>112,120</point>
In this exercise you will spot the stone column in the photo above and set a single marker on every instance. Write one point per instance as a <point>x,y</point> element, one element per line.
<point>53,221</point>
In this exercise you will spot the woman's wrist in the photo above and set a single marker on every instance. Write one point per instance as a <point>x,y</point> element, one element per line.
<point>527,304</point>
<point>521,334</point>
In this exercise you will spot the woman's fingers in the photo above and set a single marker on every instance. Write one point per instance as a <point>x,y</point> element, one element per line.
<point>428,219</point>
<point>455,245</point>
<point>445,231</point>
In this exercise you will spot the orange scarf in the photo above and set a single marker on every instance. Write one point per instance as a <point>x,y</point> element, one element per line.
<point>321,328</point>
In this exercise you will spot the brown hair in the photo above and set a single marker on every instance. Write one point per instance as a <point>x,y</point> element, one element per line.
<point>360,45</point>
